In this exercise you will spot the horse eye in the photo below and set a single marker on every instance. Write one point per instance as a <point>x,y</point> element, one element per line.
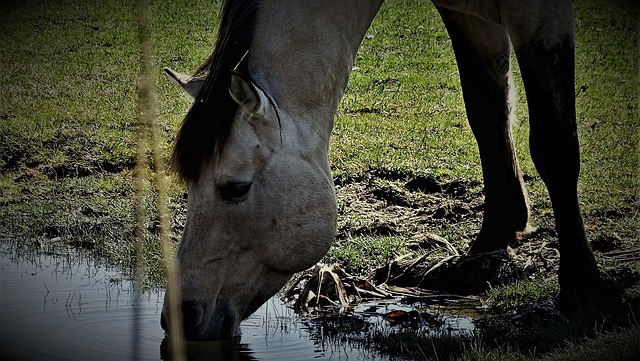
<point>235,191</point>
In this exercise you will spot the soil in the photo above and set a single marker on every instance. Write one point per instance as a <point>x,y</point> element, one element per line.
<point>439,218</point>
<point>388,203</point>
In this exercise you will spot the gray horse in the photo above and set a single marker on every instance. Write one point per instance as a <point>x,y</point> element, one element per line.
<point>253,148</point>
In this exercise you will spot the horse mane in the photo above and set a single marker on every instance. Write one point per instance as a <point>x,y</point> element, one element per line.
<point>206,126</point>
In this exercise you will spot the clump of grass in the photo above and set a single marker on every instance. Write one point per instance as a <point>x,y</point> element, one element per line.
<point>360,255</point>
<point>623,345</point>
<point>510,297</point>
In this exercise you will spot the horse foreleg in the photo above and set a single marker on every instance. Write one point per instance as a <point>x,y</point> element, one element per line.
<point>544,46</point>
<point>483,55</point>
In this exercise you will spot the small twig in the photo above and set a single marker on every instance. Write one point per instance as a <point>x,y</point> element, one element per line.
<point>624,255</point>
<point>632,252</point>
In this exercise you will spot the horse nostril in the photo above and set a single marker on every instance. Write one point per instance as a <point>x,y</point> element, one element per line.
<point>190,319</point>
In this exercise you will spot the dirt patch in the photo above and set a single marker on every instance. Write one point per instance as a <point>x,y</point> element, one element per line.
<point>383,202</point>
<point>437,219</point>
<point>420,209</point>
<point>65,154</point>
<point>392,203</point>
<point>86,169</point>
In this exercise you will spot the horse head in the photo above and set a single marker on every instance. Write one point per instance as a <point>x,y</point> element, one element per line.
<point>254,152</point>
<point>252,219</point>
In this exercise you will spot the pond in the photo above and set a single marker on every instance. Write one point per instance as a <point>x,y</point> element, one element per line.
<point>64,306</point>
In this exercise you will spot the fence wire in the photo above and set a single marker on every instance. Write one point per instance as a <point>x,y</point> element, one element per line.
<point>149,137</point>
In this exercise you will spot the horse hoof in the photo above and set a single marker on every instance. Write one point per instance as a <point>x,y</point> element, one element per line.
<point>577,296</point>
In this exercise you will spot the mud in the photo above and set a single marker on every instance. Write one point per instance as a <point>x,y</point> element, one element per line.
<point>391,203</point>
<point>439,218</point>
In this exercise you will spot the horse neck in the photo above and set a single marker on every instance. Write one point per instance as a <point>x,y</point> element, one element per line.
<point>303,53</point>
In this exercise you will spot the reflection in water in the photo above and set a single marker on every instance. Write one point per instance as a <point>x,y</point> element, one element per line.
<point>62,306</point>
<point>231,350</point>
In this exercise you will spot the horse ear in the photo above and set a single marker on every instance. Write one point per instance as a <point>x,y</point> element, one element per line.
<point>190,84</point>
<point>247,94</point>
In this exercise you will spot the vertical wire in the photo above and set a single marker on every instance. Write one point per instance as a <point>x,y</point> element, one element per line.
<point>149,116</point>
<point>139,188</point>
<point>138,238</point>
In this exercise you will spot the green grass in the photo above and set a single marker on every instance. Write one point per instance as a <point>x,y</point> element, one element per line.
<point>507,298</point>
<point>404,100</point>
<point>365,253</point>
<point>69,107</point>
<point>607,110</point>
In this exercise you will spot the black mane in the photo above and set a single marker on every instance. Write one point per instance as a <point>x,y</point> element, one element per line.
<point>206,125</point>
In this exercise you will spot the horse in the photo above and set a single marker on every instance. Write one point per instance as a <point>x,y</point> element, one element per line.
<point>253,148</point>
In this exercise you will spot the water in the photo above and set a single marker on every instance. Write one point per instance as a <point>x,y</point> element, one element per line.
<point>65,307</point>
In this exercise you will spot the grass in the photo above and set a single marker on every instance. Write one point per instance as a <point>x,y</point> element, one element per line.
<point>365,253</point>
<point>404,101</point>
<point>68,110</point>
<point>507,298</point>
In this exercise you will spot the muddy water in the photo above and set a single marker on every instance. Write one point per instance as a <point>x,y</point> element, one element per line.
<point>62,306</point>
